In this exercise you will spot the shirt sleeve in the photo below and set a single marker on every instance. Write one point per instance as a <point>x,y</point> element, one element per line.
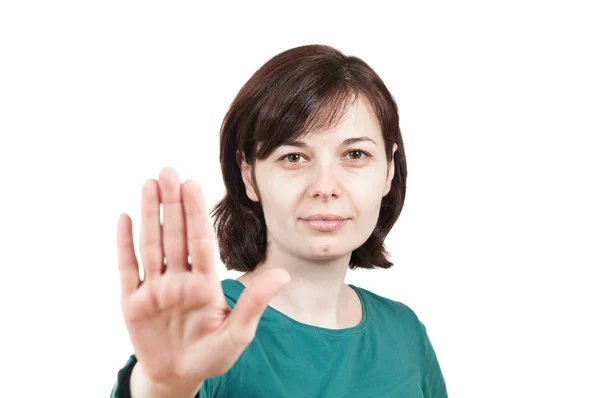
<point>434,384</point>
<point>121,387</point>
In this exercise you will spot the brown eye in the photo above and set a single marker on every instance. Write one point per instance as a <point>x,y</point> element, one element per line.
<point>357,154</point>
<point>293,158</point>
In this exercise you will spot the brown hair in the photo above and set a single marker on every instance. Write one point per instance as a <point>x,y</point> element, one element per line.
<point>304,89</point>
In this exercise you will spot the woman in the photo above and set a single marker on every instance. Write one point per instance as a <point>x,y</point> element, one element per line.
<point>315,171</point>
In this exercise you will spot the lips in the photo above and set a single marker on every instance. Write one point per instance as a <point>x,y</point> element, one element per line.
<point>325,217</point>
<point>325,222</point>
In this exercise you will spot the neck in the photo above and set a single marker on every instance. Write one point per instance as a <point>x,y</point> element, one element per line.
<point>316,294</point>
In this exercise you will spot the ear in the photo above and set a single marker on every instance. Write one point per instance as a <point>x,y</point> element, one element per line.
<point>390,171</point>
<point>247,178</point>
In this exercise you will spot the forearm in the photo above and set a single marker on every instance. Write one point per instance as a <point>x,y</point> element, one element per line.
<point>142,387</point>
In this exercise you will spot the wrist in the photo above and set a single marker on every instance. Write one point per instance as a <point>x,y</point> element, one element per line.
<point>142,386</point>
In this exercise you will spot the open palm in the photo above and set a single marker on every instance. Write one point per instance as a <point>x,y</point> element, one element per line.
<point>177,318</point>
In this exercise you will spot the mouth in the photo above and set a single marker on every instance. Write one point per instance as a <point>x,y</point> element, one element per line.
<point>325,222</point>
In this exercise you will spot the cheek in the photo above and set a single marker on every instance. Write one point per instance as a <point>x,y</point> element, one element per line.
<point>367,191</point>
<point>279,199</point>
<point>366,199</point>
<point>368,207</point>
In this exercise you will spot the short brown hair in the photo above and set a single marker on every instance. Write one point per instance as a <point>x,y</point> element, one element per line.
<point>300,90</point>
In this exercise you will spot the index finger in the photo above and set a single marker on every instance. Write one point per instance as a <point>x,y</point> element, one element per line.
<point>199,230</point>
<point>128,264</point>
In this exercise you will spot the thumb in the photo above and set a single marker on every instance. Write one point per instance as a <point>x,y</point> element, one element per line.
<point>245,316</point>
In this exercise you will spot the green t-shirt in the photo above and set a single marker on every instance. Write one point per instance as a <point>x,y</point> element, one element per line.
<point>388,354</point>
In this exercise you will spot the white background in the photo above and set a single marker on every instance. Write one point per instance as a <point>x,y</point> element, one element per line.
<point>496,250</point>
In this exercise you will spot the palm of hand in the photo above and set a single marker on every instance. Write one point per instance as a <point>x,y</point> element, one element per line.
<point>177,318</point>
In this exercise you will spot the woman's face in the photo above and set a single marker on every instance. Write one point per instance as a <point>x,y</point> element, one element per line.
<point>340,173</point>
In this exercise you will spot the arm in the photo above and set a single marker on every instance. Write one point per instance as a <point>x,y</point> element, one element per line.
<point>434,384</point>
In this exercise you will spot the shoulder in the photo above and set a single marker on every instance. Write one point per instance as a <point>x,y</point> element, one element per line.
<point>385,309</point>
<point>398,322</point>
<point>387,303</point>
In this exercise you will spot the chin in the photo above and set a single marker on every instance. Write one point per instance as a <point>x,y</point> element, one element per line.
<point>326,249</point>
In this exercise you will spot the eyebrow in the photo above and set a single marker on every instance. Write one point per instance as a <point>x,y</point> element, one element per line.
<point>346,142</point>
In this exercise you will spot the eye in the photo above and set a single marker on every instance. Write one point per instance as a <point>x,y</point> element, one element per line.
<point>292,158</point>
<point>357,154</point>
<point>354,154</point>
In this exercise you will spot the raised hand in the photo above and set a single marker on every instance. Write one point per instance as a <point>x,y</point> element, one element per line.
<point>179,323</point>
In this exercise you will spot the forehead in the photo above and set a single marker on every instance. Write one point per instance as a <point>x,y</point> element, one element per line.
<point>357,121</point>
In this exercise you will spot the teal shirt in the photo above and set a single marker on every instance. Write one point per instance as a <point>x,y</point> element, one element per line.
<point>388,354</point>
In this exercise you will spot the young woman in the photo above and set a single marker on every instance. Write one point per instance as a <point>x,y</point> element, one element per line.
<point>315,171</point>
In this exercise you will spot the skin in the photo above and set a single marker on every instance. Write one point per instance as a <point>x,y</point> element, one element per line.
<point>324,176</point>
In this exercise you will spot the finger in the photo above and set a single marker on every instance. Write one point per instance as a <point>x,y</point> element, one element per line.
<point>174,241</point>
<point>243,320</point>
<point>128,264</point>
<point>200,234</point>
<point>150,237</point>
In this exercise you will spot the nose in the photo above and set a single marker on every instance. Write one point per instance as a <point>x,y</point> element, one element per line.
<point>324,183</point>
